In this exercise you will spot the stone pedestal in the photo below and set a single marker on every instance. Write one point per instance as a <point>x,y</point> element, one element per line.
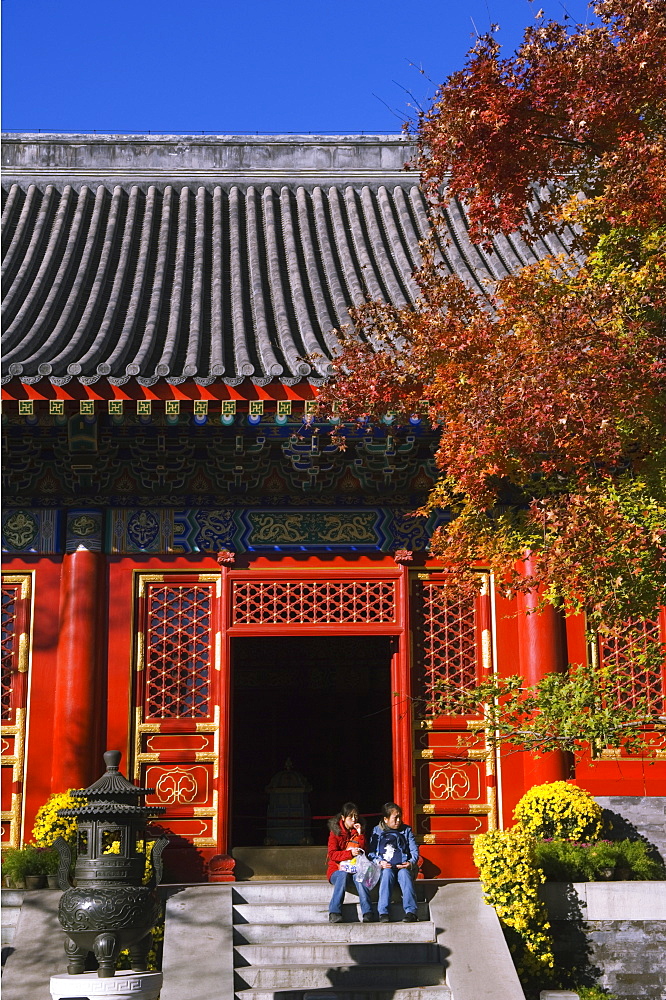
<point>122,986</point>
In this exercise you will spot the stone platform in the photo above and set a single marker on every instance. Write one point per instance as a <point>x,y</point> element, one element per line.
<point>266,863</point>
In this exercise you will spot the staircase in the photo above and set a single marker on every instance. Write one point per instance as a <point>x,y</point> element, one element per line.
<point>269,940</point>
<point>12,900</point>
<point>285,948</point>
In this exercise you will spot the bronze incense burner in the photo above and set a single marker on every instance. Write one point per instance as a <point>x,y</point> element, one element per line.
<point>109,908</point>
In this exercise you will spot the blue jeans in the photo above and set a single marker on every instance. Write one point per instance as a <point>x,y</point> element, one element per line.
<point>341,881</point>
<point>406,883</point>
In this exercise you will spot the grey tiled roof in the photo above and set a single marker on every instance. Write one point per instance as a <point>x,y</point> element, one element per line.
<point>218,259</point>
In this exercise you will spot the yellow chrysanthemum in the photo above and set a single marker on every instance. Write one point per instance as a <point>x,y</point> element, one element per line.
<point>49,826</point>
<point>511,879</point>
<point>559,810</point>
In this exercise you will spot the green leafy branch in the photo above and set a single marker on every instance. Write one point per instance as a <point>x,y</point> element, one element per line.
<point>572,711</point>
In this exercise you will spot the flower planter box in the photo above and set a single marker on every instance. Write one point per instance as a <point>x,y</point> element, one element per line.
<point>606,900</point>
<point>35,881</point>
<point>624,925</point>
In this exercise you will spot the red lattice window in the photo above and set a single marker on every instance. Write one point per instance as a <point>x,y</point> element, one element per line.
<point>446,643</point>
<point>637,683</point>
<point>312,602</point>
<point>10,596</point>
<point>178,650</point>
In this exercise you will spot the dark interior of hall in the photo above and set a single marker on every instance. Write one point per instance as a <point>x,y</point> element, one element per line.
<point>324,703</point>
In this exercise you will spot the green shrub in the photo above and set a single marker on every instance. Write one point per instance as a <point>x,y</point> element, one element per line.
<point>637,857</point>
<point>598,861</point>
<point>49,860</point>
<point>17,862</point>
<point>559,860</point>
<point>595,993</point>
<point>564,861</point>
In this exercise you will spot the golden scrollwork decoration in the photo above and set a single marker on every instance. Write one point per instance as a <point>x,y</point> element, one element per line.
<point>449,782</point>
<point>176,786</point>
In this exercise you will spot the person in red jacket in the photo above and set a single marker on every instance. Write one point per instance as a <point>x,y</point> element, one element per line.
<point>345,840</point>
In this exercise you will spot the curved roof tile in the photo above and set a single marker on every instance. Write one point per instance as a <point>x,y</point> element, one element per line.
<point>220,258</point>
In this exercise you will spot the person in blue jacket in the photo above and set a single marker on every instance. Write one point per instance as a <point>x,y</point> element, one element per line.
<point>393,847</point>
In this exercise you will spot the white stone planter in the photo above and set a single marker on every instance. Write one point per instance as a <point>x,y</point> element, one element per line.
<point>624,925</point>
<point>558,995</point>
<point>607,900</point>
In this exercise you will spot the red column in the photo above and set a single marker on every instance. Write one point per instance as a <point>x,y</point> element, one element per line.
<point>77,702</point>
<point>224,786</point>
<point>220,868</point>
<point>541,650</point>
<point>402,706</point>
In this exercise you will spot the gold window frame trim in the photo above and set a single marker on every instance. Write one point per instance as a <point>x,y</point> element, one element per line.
<point>611,754</point>
<point>201,757</point>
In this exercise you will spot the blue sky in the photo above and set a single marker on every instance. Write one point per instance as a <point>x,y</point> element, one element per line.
<point>244,66</point>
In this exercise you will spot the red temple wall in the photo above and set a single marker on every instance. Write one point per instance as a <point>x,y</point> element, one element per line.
<point>507,659</point>
<point>42,672</point>
<point>115,626</point>
<point>624,776</point>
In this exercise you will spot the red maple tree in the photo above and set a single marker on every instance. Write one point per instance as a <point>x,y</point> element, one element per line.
<point>577,110</point>
<point>550,389</point>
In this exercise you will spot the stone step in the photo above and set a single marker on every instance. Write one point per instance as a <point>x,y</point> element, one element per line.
<point>280,892</point>
<point>296,892</point>
<point>297,863</point>
<point>328,954</point>
<point>310,912</point>
<point>12,897</point>
<point>12,900</point>
<point>414,993</point>
<point>344,977</point>
<point>351,933</point>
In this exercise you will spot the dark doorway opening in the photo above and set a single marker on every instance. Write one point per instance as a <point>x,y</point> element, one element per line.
<point>325,703</point>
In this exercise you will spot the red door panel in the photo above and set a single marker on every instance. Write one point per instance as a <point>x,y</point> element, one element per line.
<point>454,770</point>
<point>177,709</point>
